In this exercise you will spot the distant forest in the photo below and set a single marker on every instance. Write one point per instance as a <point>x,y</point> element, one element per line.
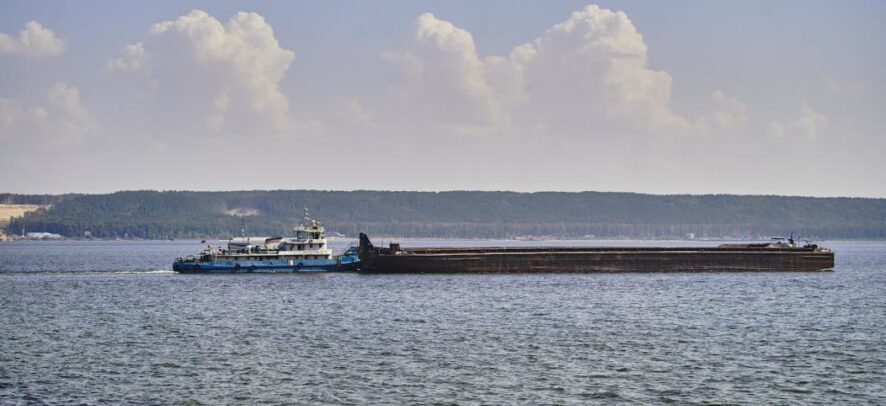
<point>456,214</point>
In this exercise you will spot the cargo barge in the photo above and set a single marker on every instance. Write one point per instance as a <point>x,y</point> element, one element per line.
<point>780,255</point>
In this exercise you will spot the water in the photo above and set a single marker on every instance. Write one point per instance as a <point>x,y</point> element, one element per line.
<point>107,323</point>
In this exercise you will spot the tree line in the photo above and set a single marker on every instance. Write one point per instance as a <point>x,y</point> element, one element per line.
<point>454,214</point>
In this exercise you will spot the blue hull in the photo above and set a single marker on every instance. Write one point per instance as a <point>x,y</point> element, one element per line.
<point>345,263</point>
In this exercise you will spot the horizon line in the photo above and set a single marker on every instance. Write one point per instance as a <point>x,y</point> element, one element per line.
<point>446,191</point>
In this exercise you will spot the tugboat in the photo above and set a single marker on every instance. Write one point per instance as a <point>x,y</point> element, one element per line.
<point>306,252</point>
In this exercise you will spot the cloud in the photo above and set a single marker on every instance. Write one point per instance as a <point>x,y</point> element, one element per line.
<point>64,104</point>
<point>132,59</point>
<point>730,113</point>
<point>355,113</point>
<point>33,41</point>
<point>60,118</point>
<point>809,125</point>
<point>592,69</point>
<point>13,113</point>
<point>198,75</point>
<point>586,73</point>
<point>443,79</point>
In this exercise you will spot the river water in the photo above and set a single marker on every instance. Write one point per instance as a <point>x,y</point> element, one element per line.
<point>107,323</point>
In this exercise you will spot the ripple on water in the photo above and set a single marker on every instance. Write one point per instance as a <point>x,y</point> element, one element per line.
<point>147,336</point>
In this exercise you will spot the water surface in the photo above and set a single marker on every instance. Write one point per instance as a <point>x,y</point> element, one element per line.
<point>107,323</point>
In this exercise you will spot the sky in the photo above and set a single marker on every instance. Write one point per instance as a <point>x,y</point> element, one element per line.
<point>700,97</point>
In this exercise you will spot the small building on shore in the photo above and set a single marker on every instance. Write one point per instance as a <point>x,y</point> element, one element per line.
<point>42,236</point>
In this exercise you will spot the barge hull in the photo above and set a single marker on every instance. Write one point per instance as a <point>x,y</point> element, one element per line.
<point>590,260</point>
<point>599,262</point>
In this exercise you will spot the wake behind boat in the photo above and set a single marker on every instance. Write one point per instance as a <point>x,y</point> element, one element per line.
<point>306,252</point>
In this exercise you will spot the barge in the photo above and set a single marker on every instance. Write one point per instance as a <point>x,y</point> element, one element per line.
<point>780,255</point>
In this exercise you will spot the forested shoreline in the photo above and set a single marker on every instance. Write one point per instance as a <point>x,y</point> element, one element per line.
<point>454,214</point>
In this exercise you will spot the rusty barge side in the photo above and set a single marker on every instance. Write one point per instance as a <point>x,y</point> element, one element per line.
<point>745,258</point>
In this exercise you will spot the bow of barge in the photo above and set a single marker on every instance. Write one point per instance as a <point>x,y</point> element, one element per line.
<point>777,256</point>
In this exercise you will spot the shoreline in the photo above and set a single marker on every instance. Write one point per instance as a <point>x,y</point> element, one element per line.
<point>429,239</point>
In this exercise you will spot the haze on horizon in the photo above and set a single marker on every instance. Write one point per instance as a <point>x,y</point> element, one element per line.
<point>699,97</point>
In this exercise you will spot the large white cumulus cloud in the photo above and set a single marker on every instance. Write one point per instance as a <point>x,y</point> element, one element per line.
<point>588,70</point>
<point>197,75</point>
<point>444,79</point>
<point>593,67</point>
<point>585,74</point>
<point>33,41</point>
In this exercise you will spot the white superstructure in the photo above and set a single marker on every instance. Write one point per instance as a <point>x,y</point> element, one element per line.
<point>309,243</point>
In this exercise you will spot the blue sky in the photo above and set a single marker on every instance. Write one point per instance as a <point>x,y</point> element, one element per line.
<point>661,97</point>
